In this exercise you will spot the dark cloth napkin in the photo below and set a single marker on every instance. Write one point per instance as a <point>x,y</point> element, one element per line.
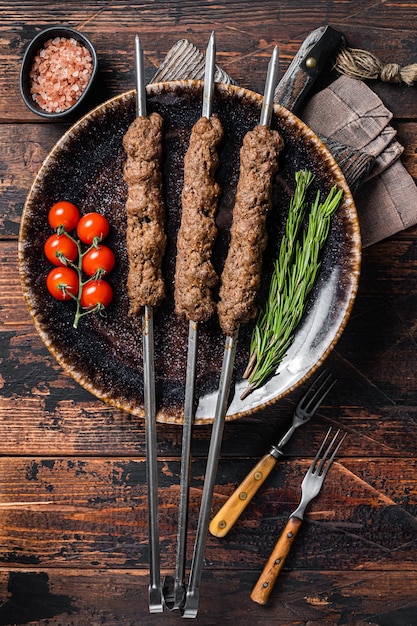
<point>346,113</point>
<point>349,112</point>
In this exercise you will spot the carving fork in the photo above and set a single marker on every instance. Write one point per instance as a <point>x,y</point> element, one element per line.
<point>310,488</point>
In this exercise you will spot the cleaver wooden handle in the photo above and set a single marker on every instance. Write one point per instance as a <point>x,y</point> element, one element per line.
<point>314,54</point>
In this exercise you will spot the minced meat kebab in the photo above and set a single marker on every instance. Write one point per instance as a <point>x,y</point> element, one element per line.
<point>195,275</point>
<point>241,275</point>
<point>145,236</point>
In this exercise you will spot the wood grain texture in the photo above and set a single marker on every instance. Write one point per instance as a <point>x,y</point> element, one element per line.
<point>243,47</point>
<point>72,597</point>
<point>81,558</point>
<point>96,514</point>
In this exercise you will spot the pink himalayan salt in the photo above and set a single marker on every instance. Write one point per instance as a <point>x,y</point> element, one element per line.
<point>60,72</point>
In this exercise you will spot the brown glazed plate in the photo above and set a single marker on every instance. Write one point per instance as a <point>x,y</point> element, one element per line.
<point>104,354</point>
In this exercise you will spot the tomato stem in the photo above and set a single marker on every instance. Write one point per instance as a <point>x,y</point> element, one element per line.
<point>79,313</point>
<point>78,268</point>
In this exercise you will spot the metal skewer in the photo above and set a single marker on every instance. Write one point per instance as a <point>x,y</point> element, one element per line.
<point>270,84</point>
<point>155,586</point>
<point>174,591</point>
<point>209,77</point>
<point>190,608</point>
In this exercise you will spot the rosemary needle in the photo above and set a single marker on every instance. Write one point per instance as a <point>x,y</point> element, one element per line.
<point>294,275</point>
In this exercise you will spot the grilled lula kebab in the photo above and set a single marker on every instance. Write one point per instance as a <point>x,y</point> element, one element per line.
<point>239,287</point>
<point>195,278</point>
<point>241,274</point>
<point>146,241</point>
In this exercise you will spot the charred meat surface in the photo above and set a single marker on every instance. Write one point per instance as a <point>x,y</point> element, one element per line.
<point>195,275</point>
<point>145,236</point>
<point>241,275</point>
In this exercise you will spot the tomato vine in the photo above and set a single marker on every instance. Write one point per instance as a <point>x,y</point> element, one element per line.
<point>79,272</point>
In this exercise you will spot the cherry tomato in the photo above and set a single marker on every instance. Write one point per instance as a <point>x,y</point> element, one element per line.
<point>92,225</point>
<point>57,245</point>
<point>96,292</point>
<point>60,281</point>
<point>100,259</point>
<point>64,214</point>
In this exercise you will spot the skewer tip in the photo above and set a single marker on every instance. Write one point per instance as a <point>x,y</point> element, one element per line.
<point>138,45</point>
<point>270,84</point>
<point>140,79</point>
<point>209,76</point>
<point>211,46</point>
<point>273,65</point>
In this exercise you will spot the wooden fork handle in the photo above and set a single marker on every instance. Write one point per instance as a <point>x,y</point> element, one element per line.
<point>240,498</point>
<point>266,581</point>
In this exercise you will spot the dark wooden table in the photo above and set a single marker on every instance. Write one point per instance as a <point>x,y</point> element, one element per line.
<point>81,559</point>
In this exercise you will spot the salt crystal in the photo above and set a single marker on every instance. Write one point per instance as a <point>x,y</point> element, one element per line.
<point>63,67</point>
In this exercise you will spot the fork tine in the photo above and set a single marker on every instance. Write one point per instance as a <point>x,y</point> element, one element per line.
<point>310,403</point>
<point>320,450</point>
<point>322,468</point>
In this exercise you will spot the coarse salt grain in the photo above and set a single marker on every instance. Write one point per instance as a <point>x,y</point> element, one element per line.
<point>60,72</point>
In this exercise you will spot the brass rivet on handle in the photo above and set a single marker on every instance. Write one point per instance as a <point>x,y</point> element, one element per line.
<point>222,524</point>
<point>257,475</point>
<point>243,495</point>
<point>311,63</point>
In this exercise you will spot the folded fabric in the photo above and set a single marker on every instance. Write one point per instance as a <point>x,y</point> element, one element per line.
<point>348,111</point>
<point>355,125</point>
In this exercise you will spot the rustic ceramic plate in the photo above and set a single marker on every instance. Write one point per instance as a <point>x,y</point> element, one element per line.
<point>104,354</point>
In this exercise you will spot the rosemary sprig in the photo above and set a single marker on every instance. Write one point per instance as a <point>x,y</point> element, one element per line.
<point>294,275</point>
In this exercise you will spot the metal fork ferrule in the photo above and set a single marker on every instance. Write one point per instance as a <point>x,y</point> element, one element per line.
<point>276,452</point>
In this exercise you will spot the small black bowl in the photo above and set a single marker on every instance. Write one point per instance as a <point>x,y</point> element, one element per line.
<point>35,45</point>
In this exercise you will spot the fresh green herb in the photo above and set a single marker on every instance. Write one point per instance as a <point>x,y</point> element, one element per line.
<point>294,275</point>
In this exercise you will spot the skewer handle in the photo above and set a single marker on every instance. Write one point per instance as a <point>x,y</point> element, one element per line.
<point>262,590</point>
<point>155,586</point>
<point>240,498</point>
<point>192,596</point>
<point>314,54</point>
<point>177,594</point>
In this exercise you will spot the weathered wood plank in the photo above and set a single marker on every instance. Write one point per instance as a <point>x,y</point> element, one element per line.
<point>242,46</point>
<point>22,151</point>
<point>61,596</point>
<point>97,516</point>
<point>69,421</point>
